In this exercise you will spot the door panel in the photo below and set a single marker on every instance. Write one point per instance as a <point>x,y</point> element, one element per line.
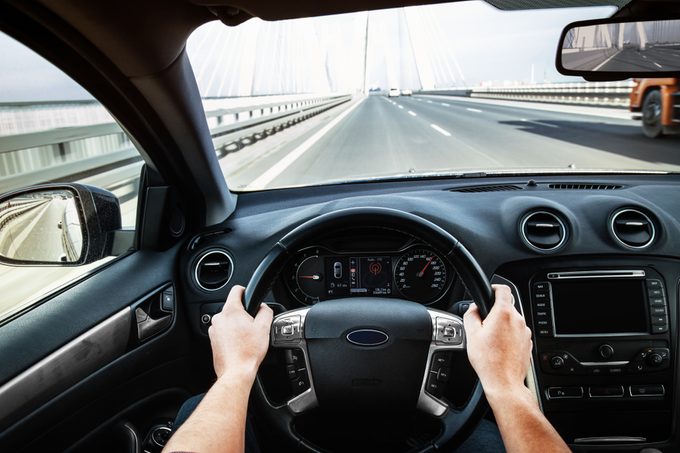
<point>76,362</point>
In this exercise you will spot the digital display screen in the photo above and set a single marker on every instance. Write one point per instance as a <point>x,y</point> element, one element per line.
<point>358,276</point>
<point>599,307</point>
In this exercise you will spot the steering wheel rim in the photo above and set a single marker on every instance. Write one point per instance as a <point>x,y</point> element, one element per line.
<point>456,425</point>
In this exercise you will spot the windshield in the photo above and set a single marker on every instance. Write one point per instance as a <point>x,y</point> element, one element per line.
<point>411,92</point>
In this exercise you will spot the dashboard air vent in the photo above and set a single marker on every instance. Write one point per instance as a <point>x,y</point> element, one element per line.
<point>543,231</point>
<point>488,188</point>
<point>213,270</point>
<point>581,186</point>
<point>632,228</point>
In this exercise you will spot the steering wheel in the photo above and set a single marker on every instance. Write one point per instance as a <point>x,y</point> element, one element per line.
<point>371,352</point>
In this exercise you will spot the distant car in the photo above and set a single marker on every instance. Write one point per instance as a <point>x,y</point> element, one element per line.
<point>406,92</point>
<point>393,93</point>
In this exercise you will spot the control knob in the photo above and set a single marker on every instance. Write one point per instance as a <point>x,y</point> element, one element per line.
<point>654,359</point>
<point>556,362</point>
<point>606,351</point>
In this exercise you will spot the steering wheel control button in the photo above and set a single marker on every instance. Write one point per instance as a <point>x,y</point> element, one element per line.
<point>606,391</point>
<point>287,329</point>
<point>449,331</point>
<point>205,319</point>
<point>556,393</point>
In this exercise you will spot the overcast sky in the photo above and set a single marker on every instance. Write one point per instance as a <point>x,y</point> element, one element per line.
<point>461,44</point>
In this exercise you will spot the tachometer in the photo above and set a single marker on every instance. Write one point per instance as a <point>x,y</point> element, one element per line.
<point>420,275</point>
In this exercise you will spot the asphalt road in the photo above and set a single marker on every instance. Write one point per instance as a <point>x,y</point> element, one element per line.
<point>661,58</point>
<point>420,134</point>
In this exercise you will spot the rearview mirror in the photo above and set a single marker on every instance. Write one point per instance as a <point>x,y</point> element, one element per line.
<point>57,224</point>
<point>617,49</point>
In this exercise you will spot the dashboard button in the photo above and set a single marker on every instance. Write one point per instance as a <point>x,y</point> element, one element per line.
<point>655,292</point>
<point>653,283</point>
<point>659,320</point>
<point>657,311</point>
<point>541,305</point>
<point>541,296</point>
<point>541,286</point>
<point>660,329</point>
<point>657,302</point>
<point>606,391</point>
<point>543,332</point>
<point>606,351</point>
<point>555,393</point>
<point>647,390</point>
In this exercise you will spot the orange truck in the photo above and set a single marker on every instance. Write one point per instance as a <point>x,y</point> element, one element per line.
<point>657,103</point>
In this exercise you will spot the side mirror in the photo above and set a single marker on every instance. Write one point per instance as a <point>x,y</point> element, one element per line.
<point>57,224</point>
<point>615,49</point>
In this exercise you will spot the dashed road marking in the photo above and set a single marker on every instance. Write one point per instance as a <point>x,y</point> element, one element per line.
<point>473,110</point>
<point>411,113</point>
<point>440,130</point>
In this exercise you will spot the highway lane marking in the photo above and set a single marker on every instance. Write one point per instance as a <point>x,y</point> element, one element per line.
<point>657,64</point>
<point>446,105</point>
<point>401,106</point>
<point>540,123</point>
<point>440,130</point>
<point>279,167</point>
<point>598,67</point>
<point>411,113</point>
<point>429,102</point>
<point>473,110</point>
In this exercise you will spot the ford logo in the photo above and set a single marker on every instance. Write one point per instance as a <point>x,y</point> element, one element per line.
<point>367,337</point>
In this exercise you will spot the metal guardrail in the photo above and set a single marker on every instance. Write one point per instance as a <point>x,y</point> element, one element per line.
<point>263,120</point>
<point>600,94</point>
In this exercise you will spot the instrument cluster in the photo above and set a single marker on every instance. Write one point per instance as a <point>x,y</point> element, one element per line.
<point>416,273</point>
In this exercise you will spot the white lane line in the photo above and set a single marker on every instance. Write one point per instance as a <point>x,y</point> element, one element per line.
<point>268,176</point>
<point>540,123</point>
<point>401,106</point>
<point>473,110</point>
<point>598,67</point>
<point>657,64</point>
<point>446,105</point>
<point>411,113</point>
<point>440,130</point>
<point>429,102</point>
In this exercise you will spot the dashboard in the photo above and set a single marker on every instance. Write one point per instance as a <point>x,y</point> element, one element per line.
<point>594,266</point>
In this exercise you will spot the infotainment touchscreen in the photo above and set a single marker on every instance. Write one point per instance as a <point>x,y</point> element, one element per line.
<point>609,306</point>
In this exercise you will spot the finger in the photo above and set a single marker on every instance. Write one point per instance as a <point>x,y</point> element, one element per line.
<point>472,320</point>
<point>234,299</point>
<point>264,317</point>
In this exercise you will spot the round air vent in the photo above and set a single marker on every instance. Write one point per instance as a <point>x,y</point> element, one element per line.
<point>543,231</point>
<point>213,270</point>
<point>632,228</point>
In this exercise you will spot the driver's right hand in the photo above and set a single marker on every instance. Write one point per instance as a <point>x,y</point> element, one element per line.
<point>499,347</point>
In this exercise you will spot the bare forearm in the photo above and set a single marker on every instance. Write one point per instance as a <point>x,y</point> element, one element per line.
<point>523,426</point>
<point>218,424</point>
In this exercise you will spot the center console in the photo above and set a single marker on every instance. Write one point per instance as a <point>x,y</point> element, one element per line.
<point>604,354</point>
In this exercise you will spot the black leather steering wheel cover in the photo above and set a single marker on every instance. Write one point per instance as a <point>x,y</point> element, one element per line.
<point>472,275</point>
<point>456,425</point>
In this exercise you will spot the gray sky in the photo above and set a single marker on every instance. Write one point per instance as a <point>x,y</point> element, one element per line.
<point>465,43</point>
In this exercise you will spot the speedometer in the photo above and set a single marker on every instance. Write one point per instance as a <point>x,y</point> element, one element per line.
<point>420,275</point>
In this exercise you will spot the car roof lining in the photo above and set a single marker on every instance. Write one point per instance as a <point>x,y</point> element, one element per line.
<point>234,12</point>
